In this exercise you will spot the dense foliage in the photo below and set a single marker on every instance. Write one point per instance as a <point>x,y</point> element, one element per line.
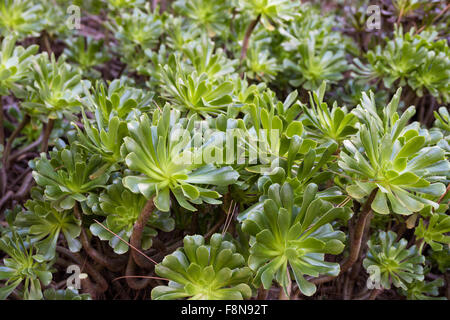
<point>230,149</point>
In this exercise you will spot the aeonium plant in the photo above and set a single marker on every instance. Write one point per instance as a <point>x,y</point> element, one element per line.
<point>21,18</point>
<point>68,176</point>
<point>14,63</point>
<point>388,156</point>
<point>194,92</point>
<point>122,208</point>
<point>290,241</point>
<point>45,224</point>
<point>286,152</point>
<point>327,125</point>
<point>22,266</point>
<point>211,16</point>
<point>164,152</point>
<point>200,271</point>
<point>393,262</point>
<point>55,89</point>
<point>111,107</point>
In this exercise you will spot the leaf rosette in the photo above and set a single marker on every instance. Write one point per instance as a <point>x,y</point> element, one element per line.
<point>204,272</point>
<point>170,163</point>
<point>122,209</point>
<point>292,240</point>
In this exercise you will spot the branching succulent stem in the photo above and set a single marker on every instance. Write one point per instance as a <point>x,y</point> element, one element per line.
<point>2,130</point>
<point>375,293</point>
<point>262,294</point>
<point>435,18</point>
<point>24,188</point>
<point>47,132</point>
<point>26,149</point>
<point>136,236</point>
<point>356,241</point>
<point>248,33</point>
<point>11,138</point>
<point>130,273</point>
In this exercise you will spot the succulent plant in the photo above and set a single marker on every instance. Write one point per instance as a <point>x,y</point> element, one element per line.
<point>388,155</point>
<point>138,28</point>
<point>68,176</point>
<point>435,231</point>
<point>122,208</point>
<point>261,65</point>
<point>205,58</point>
<point>194,92</point>
<point>118,99</point>
<point>135,31</point>
<point>204,272</point>
<point>327,125</point>
<point>124,4</point>
<point>191,121</point>
<point>45,224</point>
<point>66,294</point>
<point>421,290</point>
<point>404,7</point>
<point>269,10</point>
<point>56,88</point>
<point>104,138</point>
<point>292,240</point>
<point>22,267</point>
<point>21,17</point>
<point>163,153</point>
<point>397,264</point>
<point>418,60</point>
<point>315,65</point>
<point>87,53</point>
<point>15,61</point>
<point>212,16</point>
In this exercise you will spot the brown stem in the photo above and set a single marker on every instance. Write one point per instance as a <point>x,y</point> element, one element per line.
<point>447,282</point>
<point>136,236</point>
<point>21,176</point>
<point>400,15</point>
<point>375,293</point>
<point>357,267</point>
<point>3,181</point>
<point>2,129</point>
<point>130,272</point>
<point>359,232</point>
<point>248,33</point>
<point>24,150</point>
<point>5,198</point>
<point>159,245</point>
<point>445,193</point>
<point>25,187</point>
<point>356,241</point>
<point>435,18</point>
<point>283,295</point>
<point>47,45</point>
<point>47,132</point>
<point>429,116</point>
<point>262,294</point>
<point>363,294</point>
<point>154,4</point>
<point>118,288</point>
<point>11,138</point>
<point>3,178</point>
